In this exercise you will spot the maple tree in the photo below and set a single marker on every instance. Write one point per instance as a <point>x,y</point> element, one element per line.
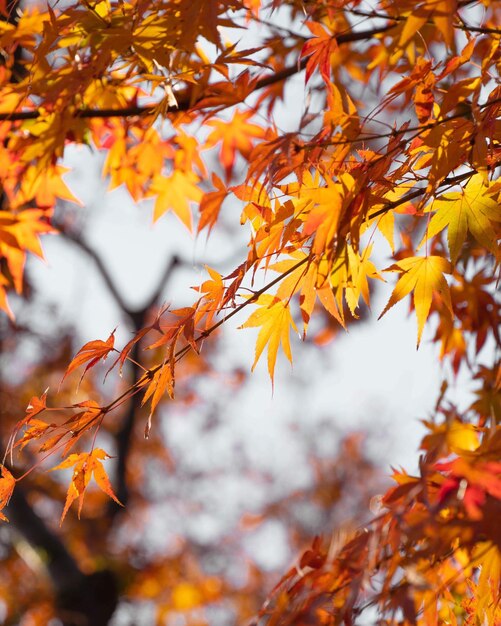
<point>390,174</point>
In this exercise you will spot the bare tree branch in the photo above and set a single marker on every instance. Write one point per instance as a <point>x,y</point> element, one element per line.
<point>103,270</point>
<point>172,264</point>
<point>124,435</point>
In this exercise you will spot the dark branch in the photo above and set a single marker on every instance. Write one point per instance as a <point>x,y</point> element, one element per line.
<point>171,265</point>
<point>106,276</point>
<point>124,437</point>
<point>60,564</point>
<point>136,316</point>
<point>81,599</point>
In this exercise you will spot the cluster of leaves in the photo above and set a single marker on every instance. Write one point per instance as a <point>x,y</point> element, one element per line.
<point>418,170</point>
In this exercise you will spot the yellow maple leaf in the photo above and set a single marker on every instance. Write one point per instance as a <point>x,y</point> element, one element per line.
<point>424,276</point>
<point>443,14</point>
<point>45,186</point>
<point>175,192</point>
<point>470,210</point>
<point>312,283</point>
<point>415,20</point>
<point>275,319</point>
<point>361,269</point>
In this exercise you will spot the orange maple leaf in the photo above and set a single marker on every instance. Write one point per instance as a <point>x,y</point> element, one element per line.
<point>214,297</point>
<point>84,466</point>
<point>210,205</point>
<point>162,381</point>
<point>36,405</point>
<point>319,48</point>
<point>91,353</point>
<point>7,483</point>
<point>234,135</point>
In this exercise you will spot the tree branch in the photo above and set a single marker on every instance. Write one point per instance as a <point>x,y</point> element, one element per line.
<point>172,264</point>
<point>81,599</point>
<point>124,435</point>
<point>124,438</point>
<point>453,180</point>
<point>185,105</point>
<point>136,316</point>
<point>61,566</point>
<point>103,271</point>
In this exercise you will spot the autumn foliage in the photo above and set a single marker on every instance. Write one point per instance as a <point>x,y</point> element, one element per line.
<point>388,174</point>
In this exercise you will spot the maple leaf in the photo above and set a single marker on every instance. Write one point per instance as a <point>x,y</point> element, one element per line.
<point>444,12</point>
<point>414,22</point>
<point>473,481</point>
<point>175,192</point>
<point>36,406</point>
<point>234,135</point>
<point>211,202</point>
<point>35,431</point>
<point>487,555</point>
<point>85,465</point>
<point>201,17</point>
<point>183,325</point>
<point>441,12</point>
<point>7,483</point>
<point>445,148</point>
<point>162,381</point>
<point>45,187</point>
<point>469,210</point>
<point>312,284</point>
<point>81,421</point>
<point>275,319</point>
<point>26,227</point>
<point>214,297</point>
<point>331,202</point>
<point>319,50</point>
<point>91,353</point>
<point>455,437</point>
<point>424,276</point>
<point>361,268</point>
<point>19,234</point>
